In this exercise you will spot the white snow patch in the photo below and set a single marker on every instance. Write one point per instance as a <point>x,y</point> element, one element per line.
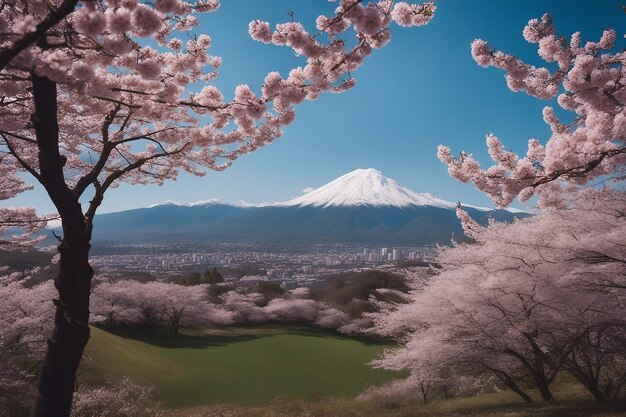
<point>205,203</point>
<point>365,187</point>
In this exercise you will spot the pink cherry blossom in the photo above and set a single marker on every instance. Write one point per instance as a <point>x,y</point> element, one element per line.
<point>588,83</point>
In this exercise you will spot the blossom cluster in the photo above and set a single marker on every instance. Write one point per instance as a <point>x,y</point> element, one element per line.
<point>588,82</point>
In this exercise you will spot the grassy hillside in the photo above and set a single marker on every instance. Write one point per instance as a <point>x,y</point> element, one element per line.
<point>572,401</point>
<point>236,366</point>
<point>479,407</point>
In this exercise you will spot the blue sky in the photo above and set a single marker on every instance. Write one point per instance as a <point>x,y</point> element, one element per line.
<point>420,91</point>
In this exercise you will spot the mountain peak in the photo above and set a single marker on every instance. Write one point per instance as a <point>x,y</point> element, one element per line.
<point>205,203</point>
<point>365,187</point>
<point>361,187</point>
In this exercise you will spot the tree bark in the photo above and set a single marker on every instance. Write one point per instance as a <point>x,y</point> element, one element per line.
<point>73,283</point>
<point>70,333</point>
<point>510,382</point>
<point>535,366</point>
<point>543,386</point>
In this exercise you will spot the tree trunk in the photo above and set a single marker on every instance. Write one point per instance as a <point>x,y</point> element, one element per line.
<point>543,386</point>
<point>510,382</point>
<point>535,366</point>
<point>73,283</point>
<point>597,394</point>
<point>424,388</point>
<point>590,383</point>
<point>516,389</point>
<point>71,330</point>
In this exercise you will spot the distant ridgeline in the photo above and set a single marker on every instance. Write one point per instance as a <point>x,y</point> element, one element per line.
<point>361,206</point>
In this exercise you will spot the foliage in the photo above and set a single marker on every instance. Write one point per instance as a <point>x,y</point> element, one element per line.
<point>523,300</point>
<point>590,84</point>
<point>126,399</point>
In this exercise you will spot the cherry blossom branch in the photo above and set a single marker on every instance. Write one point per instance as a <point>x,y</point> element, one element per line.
<point>55,16</point>
<point>590,83</point>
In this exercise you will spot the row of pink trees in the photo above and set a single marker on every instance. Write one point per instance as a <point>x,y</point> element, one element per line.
<point>87,103</point>
<point>124,302</point>
<point>524,301</point>
<point>132,302</point>
<point>26,322</point>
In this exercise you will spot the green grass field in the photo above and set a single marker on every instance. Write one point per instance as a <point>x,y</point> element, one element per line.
<point>238,366</point>
<point>274,371</point>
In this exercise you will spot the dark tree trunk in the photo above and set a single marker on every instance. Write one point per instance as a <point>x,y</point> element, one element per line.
<point>424,388</point>
<point>588,378</point>
<point>543,386</point>
<point>510,382</point>
<point>71,331</point>
<point>516,389</point>
<point>536,367</point>
<point>593,388</point>
<point>73,283</point>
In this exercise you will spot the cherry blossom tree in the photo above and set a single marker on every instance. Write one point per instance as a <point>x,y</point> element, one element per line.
<point>598,361</point>
<point>87,104</point>
<point>246,307</point>
<point>25,322</point>
<point>400,390</point>
<point>589,82</point>
<point>329,317</point>
<point>125,399</point>
<point>525,301</point>
<point>295,310</point>
<point>135,303</point>
<point>115,302</point>
<point>185,305</point>
<point>25,316</point>
<point>125,302</point>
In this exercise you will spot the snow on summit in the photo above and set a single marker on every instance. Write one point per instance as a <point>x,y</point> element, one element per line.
<point>205,203</point>
<point>361,187</point>
<point>365,187</point>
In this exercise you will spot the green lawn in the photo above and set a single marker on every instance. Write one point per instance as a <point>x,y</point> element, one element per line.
<point>239,366</point>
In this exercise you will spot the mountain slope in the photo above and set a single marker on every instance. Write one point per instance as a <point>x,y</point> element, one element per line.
<point>365,187</point>
<point>361,206</point>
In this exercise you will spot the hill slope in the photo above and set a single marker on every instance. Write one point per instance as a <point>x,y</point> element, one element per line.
<point>236,366</point>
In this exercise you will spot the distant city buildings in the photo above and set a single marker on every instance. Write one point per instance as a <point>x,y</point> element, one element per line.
<point>290,264</point>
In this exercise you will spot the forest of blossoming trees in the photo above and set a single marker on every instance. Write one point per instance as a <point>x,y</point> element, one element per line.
<point>86,104</point>
<point>526,301</point>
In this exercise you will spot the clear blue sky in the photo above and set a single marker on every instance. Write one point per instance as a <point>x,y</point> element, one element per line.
<point>422,90</point>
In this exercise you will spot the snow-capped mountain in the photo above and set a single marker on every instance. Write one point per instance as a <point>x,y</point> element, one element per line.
<point>365,187</point>
<point>204,203</point>
<point>361,187</point>
<point>361,206</point>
